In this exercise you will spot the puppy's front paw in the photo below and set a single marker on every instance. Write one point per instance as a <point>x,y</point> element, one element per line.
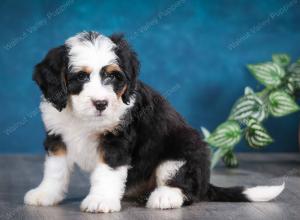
<point>42,197</point>
<point>93,203</point>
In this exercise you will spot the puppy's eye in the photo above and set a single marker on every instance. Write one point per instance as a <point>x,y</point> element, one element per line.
<point>82,76</point>
<point>116,75</point>
<point>110,75</point>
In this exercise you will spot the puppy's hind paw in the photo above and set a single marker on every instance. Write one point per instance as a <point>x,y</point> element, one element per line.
<point>165,197</point>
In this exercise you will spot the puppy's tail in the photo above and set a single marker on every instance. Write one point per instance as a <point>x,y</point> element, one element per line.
<point>242,194</point>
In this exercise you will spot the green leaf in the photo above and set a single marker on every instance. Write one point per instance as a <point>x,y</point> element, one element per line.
<point>294,81</point>
<point>294,76</point>
<point>256,135</point>
<point>230,160</point>
<point>280,104</point>
<point>269,74</point>
<point>226,135</point>
<point>249,106</point>
<point>290,88</point>
<point>294,68</point>
<point>217,155</point>
<point>248,91</point>
<point>281,59</point>
<point>205,132</point>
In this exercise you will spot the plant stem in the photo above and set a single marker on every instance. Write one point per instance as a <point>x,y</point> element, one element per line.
<point>264,93</point>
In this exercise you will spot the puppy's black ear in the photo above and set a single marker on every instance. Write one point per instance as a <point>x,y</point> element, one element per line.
<point>50,74</point>
<point>129,63</point>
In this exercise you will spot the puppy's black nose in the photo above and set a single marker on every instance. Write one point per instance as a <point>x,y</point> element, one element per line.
<point>100,104</point>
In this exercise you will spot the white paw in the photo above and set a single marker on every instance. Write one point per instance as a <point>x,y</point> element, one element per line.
<point>42,197</point>
<point>165,197</point>
<point>94,203</point>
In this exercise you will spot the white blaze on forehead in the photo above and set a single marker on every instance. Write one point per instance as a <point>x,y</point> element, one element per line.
<point>93,53</point>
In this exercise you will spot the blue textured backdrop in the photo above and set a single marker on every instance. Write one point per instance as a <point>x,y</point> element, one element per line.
<point>194,52</point>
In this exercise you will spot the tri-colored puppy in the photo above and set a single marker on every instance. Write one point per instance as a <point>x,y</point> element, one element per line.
<point>98,115</point>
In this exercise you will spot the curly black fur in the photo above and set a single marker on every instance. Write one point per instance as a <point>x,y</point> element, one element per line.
<point>50,76</point>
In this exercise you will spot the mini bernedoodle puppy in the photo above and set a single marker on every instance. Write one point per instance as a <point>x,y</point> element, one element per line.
<point>98,115</point>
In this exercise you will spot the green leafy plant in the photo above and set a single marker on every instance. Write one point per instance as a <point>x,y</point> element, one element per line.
<point>282,82</point>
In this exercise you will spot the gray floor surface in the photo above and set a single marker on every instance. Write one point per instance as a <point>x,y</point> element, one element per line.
<point>19,173</point>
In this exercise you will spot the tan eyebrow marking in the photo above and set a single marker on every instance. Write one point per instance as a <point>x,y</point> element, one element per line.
<point>112,68</point>
<point>122,91</point>
<point>87,70</point>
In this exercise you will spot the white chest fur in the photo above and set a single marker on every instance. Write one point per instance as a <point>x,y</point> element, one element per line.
<point>80,136</point>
